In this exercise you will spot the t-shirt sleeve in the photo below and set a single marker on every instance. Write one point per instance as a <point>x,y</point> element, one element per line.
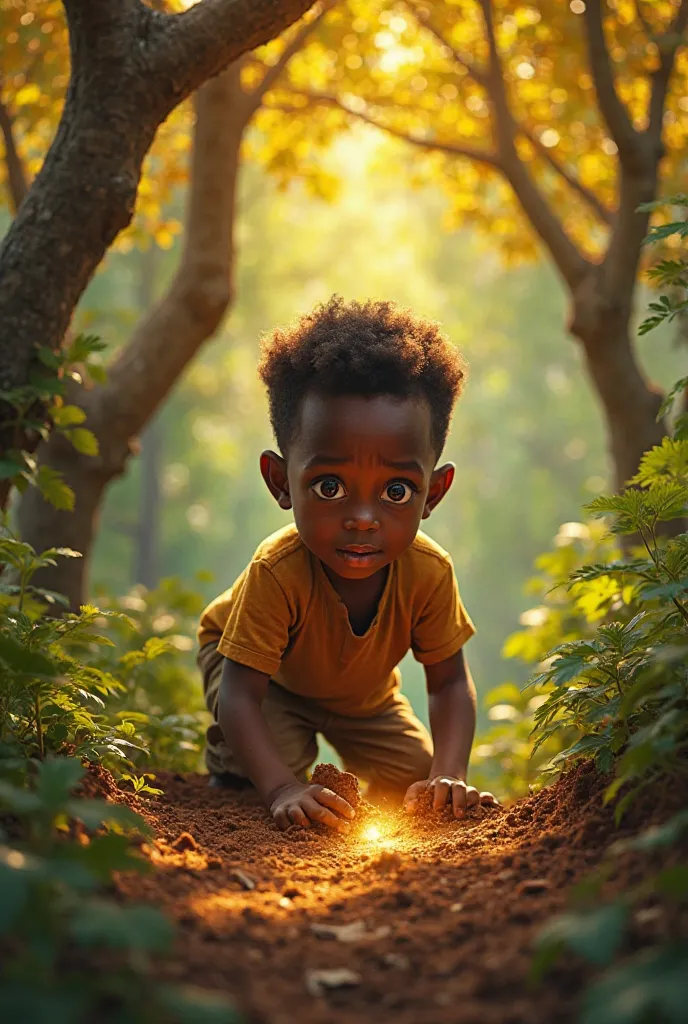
<point>257,629</point>
<point>443,625</point>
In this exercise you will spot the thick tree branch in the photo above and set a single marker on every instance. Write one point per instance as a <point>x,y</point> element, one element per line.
<point>669,45</point>
<point>195,45</point>
<point>130,66</point>
<point>613,110</point>
<point>17,181</point>
<point>170,334</point>
<point>295,44</point>
<point>571,264</point>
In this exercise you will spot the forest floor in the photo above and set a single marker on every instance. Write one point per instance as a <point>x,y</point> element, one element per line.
<point>429,921</point>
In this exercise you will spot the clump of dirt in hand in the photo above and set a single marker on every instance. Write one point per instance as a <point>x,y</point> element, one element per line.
<point>344,784</point>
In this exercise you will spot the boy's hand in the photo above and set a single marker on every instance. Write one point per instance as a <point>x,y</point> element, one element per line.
<point>302,804</point>
<point>448,789</point>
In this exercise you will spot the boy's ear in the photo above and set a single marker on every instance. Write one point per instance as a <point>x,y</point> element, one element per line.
<point>440,482</point>
<point>273,469</point>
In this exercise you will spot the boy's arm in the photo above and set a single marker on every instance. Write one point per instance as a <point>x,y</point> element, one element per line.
<point>242,691</point>
<point>452,704</point>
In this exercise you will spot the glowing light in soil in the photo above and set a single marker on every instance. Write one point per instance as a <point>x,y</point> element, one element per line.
<point>372,833</point>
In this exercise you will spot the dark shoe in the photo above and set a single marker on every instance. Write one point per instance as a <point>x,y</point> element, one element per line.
<point>227,780</point>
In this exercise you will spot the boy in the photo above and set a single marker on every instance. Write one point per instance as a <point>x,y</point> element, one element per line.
<point>309,637</point>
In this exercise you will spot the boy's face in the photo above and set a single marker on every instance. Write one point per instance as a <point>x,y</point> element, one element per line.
<point>360,475</point>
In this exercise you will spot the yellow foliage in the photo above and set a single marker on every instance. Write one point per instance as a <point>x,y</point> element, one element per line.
<point>407,67</point>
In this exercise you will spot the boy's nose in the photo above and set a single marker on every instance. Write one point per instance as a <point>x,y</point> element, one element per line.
<point>362,519</point>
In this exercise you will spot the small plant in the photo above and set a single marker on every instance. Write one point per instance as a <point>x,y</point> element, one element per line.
<point>39,407</point>
<point>625,692</point>
<point>67,953</point>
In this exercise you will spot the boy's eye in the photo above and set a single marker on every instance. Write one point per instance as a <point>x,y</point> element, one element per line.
<point>329,488</point>
<point>398,492</point>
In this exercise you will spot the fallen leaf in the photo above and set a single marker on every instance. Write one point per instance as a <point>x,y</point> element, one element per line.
<point>244,880</point>
<point>355,931</point>
<point>318,982</point>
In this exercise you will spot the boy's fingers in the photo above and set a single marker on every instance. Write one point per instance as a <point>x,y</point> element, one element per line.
<point>318,812</point>
<point>472,796</point>
<point>412,794</point>
<point>441,789</point>
<point>489,799</point>
<point>281,819</point>
<point>297,816</point>
<point>459,799</point>
<point>335,803</point>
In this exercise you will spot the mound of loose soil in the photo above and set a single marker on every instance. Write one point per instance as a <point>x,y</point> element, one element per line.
<point>401,921</point>
<point>344,784</point>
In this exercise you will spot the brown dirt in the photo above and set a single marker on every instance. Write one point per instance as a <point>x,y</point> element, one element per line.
<point>426,922</point>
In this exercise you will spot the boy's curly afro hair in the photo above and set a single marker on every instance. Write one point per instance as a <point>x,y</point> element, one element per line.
<point>360,348</point>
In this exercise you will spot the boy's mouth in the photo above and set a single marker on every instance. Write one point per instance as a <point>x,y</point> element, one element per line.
<point>361,555</point>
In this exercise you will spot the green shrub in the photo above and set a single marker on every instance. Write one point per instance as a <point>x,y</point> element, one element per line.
<point>67,954</point>
<point>624,691</point>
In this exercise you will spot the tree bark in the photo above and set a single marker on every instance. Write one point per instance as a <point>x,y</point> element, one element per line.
<point>162,344</point>
<point>131,66</point>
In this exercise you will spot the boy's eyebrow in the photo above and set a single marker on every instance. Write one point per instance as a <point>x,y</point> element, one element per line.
<point>326,460</point>
<point>411,465</point>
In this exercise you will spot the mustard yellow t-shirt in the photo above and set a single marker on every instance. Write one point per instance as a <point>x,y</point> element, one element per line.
<point>283,617</point>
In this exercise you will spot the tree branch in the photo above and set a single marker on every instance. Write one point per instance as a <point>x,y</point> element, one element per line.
<point>668,47</point>
<point>17,181</point>
<point>170,334</point>
<point>595,203</point>
<point>571,263</point>
<point>640,15</point>
<point>421,15</point>
<point>452,149</point>
<point>190,47</point>
<point>613,110</point>
<point>295,44</point>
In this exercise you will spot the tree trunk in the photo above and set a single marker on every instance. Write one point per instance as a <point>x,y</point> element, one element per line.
<point>145,560</point>
<point>162,344</point>
<point>131,66</point>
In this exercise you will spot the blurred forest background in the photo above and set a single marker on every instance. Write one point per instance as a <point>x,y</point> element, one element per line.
<point>327,203</point>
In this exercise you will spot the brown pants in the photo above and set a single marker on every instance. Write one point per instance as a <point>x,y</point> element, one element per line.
<point>390,750</point>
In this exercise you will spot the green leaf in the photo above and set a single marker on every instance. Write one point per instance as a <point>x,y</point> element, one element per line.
<point>57,777</point>
<point>14,887</point>
<point>651,986</point>
<point>190,1005</point>
<point>10,468</point>
<point>131,928</point>
<point>655,837</point>
<point>67,415</point>
<point>595,935</point>
<point>83,346</point>
<point>51,484</point>
<point>674,881</point>
<point>84,440</point>
<point>19,801</point>
<point>22,659</point>
<point>33,1004</point>
<point>95,813</point>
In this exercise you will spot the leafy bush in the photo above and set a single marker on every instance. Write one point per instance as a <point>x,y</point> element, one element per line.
<point>66,687</point>
<point>67,954</point>
<point>624,691</point>
<point>160,703</point>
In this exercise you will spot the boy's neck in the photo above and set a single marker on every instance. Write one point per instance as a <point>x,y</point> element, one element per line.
<point>360,597</point>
